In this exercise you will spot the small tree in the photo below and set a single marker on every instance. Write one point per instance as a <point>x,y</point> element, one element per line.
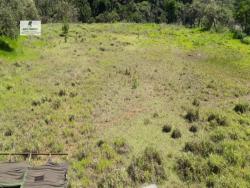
<point>65,29</point>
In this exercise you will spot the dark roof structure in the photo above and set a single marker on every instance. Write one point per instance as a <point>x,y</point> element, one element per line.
<point>21,175</point>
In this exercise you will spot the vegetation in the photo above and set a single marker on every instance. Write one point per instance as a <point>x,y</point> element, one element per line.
<point>116,97</point>
<point>147,168</point>
<point>208,15</point>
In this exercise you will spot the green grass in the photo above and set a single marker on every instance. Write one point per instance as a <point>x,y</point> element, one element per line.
<point>105,95</point>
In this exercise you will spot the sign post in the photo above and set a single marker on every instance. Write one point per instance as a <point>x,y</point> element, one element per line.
<point>28,28</point>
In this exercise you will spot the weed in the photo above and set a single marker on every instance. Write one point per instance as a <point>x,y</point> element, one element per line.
<point>203,148</point>
<point>127,72</point>
<point>242,108</point>
<point>193,129</point>
<point>176,134</point>
<point>216,163</point>
<point>9,87</point>
<point>196,102</point>
<point>218,120</point>
<point>100,143</point>
<point>121,147</point>
<point>56,104</point>
<point>147,121</point>
<point>71,118</point>
<point>62,93</point>
<point>155,115</point>
<point>8,132</point>
<point>114,179</point>
<point>233,153</point>
<point>147,167</point>
<point>192,115</point>
<point>108,152</point>
<point>135,83</point>
<point>102,49</point>
<point>218,136</point>
<point>36,103</point>
<point>166,128</point>
<point>191,168</point>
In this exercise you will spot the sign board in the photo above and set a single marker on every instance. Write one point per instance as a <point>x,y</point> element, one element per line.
<point>30,27</point>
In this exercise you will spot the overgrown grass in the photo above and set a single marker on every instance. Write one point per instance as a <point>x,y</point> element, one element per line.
<point>109,93</point>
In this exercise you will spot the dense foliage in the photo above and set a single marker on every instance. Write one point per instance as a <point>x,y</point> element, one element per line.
<point>207,14</point>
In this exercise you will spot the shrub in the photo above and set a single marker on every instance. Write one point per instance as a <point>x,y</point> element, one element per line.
<point>246,40</point>
<point>166,128</point>
<point>176,134</point>
<point>147,167</point>
<point>192,115</point>
<point>5,46</point>
<point>238,34</point>
<point>191,168</point>
<point>242,108</point>
<point>203,148</point>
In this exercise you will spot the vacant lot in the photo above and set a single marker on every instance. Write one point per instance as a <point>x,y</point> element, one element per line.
<point>132,104</point>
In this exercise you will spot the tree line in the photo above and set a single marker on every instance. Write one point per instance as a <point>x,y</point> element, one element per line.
<point>206,14</point>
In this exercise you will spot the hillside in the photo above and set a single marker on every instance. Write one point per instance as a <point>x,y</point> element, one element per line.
<point>114,90</point>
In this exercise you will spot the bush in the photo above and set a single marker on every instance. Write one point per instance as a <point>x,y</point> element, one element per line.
<point>192,115</point>
<point>238,34</point>
<point>246,40</point>
<point>176,134</point>
<point>242,108</point>
<point>108,17</point>
<point>147,168</point>
<point>166,128</point>
<point>8,23</point>
<point>191,168</point>
<point>5,46</point>
<point>203,148</point>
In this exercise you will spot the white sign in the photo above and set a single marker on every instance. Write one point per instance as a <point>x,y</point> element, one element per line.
<point>30,27</point>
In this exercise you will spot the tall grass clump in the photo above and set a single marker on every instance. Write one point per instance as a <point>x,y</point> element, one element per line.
<point>242,108</point>
<point>192,168</point>
<point>147,168</point>
<point>192,115</point>
<point>216,119</point>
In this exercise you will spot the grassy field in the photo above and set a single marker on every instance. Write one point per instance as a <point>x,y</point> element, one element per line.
<point>132,104</point>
